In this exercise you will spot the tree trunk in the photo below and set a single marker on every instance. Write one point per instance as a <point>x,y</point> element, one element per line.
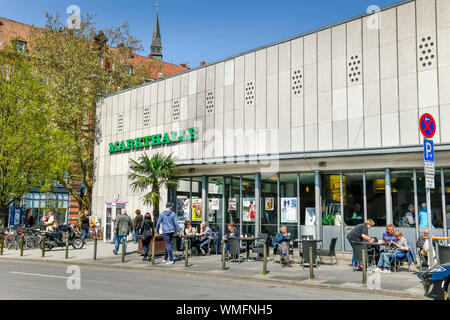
<point>155,206</point>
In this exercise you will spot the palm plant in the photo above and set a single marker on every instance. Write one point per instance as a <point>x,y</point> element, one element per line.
<point>153,173</point>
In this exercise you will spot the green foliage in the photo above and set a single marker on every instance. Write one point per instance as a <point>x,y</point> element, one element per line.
<point>27,154</point>
<point>152,173</point>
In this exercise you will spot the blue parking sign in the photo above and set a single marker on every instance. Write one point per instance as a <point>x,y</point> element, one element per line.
<point>428,150</point>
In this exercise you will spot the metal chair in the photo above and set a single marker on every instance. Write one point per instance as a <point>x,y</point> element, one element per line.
<point>444,254</point>
<point>306,244</point>
<point>235,249</point>
<point>258,246</point>
<point>395,260</point>
<point>330,253</point>
<point>358,247</point>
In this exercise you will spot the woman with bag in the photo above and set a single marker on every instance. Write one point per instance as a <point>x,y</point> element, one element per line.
<point>147,233</point>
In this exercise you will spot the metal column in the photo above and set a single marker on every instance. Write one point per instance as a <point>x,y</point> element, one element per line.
<point>278,202</point>
<point>204,197</point>
<point>224,205</point>
<point>258,203</point>
<point>444,209</point>
<point>416,205</point>
<point>318,207</point>
<point>342,211</point>
<point>299,228</point>
<point>190,199</point>
<point>388,193</point>
<point>241,206</point>
<point>365,196</point>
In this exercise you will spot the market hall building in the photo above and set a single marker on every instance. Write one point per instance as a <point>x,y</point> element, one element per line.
<point>318,132</point>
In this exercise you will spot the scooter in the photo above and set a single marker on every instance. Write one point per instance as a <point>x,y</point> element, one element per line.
<point>55,238</point>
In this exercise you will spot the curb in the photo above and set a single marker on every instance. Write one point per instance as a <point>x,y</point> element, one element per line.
<point>223,275</point>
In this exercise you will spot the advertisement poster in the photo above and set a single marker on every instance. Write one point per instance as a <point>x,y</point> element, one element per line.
<point>289,210</point>
<point>270,204</point>
<point>232,204</point>
<point>196,209</point>
<point>214,204</point>
<point>310,216</point>
<point>183,208</point>
<point>249,209</point>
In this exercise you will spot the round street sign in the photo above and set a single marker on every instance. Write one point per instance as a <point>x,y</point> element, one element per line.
<point>427,125</point>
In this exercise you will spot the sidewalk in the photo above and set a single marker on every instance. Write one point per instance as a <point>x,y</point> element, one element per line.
<point>339,277</point>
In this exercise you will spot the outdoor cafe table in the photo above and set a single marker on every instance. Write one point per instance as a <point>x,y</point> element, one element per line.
<point>247,243</point>
<point>189,239</point>
<point>302,240</point>
<point>437,247</point>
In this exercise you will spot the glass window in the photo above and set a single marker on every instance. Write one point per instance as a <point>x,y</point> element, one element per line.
<point>232,195</point>
<point>289,205</point>
<point>215,189</point>
<point>447,197</point>
<point>353,190</point>
<point>248,205</point>
<point>376,197</point>
<point>436,200</point>
<point>269,204</point>
<point>402,184</point>
<point>183,200</point>
<point>331,208</point>
<point>307,199</point>
<point>197,205</point>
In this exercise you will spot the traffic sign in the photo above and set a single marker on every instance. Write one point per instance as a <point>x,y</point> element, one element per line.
<point>429,168</point>
<point>428,150</point>
<point>429,181</point>
<point>427,125</point>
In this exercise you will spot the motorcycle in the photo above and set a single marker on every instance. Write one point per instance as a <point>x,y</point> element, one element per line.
<point>58,238</point>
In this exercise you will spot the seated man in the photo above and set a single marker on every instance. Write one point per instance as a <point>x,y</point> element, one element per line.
<point>399,250</point>
<point>205,234</point>
<point>232,232</point>
<point>282,243</point>
<point>425,246</point>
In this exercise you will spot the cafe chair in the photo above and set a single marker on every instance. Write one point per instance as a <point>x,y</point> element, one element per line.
<point>258,246</point>
<point>423,264</point>
<point>331,252</point>
<point>306,244</point>
<point>444,254</point>
<point>235,249</point>
<point>358,247</point>
<point>398,262</point>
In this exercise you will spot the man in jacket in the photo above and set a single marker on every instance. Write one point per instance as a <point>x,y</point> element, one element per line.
<point>137,224</point>
<point>282,243</point>
<point>205,234</point>
<point>85,226</point>
<point>50,222</point>
<point>169,222</point>
<point>122,228</point>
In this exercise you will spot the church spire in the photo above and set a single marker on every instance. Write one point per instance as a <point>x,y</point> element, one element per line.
<point>156,47</point>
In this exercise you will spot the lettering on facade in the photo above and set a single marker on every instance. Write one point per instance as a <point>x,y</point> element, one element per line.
<point>154,140</point>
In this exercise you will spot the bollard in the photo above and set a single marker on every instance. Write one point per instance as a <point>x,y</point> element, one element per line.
<point>123,250</point>
<point>265,259</point>
<point>1,245</point>
<point>21,245</point>
<point>95,247</point>
<point>364,267</point>
<point>43,247</point>
<point>223,255</point>
<point>67,248</point>
<point>153,251</point>
<point>311,264</point>
<point>186,253</point>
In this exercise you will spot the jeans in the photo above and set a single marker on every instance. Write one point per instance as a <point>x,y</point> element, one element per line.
<point>354,263</point>
<point>118,242</point>
<point>146,245</point>
<point>168,241</point>
<point>136,235</point>
<point>386,258</point>
<point>84,234</point>
<point>204,244</point>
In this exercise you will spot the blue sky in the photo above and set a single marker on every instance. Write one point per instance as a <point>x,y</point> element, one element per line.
<point>201,30</point>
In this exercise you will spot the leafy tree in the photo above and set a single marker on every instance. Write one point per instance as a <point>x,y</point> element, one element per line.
<point>153,173</point>
<point>27,154</point>
<point>80,66</point>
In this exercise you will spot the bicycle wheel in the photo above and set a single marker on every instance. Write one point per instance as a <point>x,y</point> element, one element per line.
<point>77,243</point>
<point>30,243</point>
<point>48,246</point>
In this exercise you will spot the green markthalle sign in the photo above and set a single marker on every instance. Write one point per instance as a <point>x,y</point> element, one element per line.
<point>154,140</point>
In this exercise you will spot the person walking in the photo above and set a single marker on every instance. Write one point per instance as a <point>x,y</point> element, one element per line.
<point>147,233</point>
<point>169,222</point>
<point>29,222</point>
<point>122,228</point>
<point>137,224</point>
<point>85,226</point>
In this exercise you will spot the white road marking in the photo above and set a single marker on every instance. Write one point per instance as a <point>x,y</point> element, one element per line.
<point>38,275</point>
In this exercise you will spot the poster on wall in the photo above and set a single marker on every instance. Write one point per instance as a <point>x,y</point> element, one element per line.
<point>183,208</point>
<point>310,216</point>
<point>249,210</point>
<point>289,210</point>
<point>214,204</point>
<point>196,209</point>
<point>232,204</point>
<point>269,204</point>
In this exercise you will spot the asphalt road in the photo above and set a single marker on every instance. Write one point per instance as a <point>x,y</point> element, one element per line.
<point>29,280</point>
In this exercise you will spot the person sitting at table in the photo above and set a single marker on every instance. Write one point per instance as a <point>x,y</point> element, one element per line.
<point>232,232</point>
<point>188,230</point>
<point>389,236</point>
<point>425,246</point>
<point>399,249</point>
<point>358,234</point>
<point>282,243</point>
<point>205,236</point>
